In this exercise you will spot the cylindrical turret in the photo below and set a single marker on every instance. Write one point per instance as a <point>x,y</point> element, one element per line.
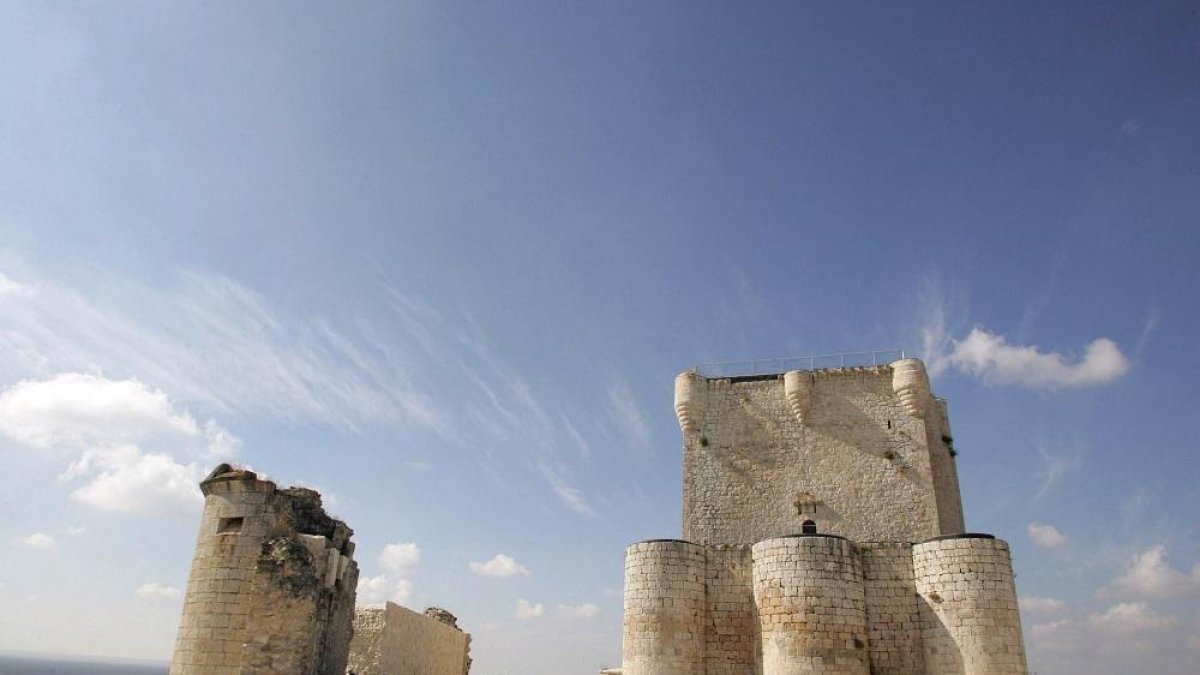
<point>232,531</point>
<point>689,402</point>
<point>911,384</point>
<point>811,605</point>
<point>664,609</point>
<point>797,388</point>
<point>968,603</point>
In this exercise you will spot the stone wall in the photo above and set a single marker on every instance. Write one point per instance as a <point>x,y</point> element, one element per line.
<point>847,448</point>
<point>968,604</point>
<point>811,606</point>
<point>395,640</point>
<point>664,626</point>
<point>271,585</point>
<point>893,618</point>
<point>733,644</point>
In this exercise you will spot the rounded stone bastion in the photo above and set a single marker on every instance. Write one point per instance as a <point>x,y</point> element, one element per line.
<point>811,605</point>
<point>663,632</point>
<point>217,604</point>
<point>968,602</point>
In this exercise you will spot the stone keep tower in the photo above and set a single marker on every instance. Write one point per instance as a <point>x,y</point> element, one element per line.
<point>272,586</point>
<point>824,534</point>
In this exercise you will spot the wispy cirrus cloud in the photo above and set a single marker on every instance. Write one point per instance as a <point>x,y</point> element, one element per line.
<point>1055,462</point>
<point>211,340</point>
<point>626,413</point>
<point>210,343</point>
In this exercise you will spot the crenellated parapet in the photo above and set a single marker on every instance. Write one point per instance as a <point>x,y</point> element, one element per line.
<point>797,389</point>
<point>911,384</point>
<point>690,402</point>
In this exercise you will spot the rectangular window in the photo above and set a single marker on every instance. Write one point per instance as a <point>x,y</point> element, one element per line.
<point>230,525</point>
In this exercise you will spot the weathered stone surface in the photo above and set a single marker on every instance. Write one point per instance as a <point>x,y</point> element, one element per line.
<point>394,640</point>
<point>272,585</point>
<point>862,454</point>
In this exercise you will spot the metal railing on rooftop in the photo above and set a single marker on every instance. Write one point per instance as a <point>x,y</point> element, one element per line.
<point>783,365</point>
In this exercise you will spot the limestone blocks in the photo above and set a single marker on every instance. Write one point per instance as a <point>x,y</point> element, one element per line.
<point>811,605</point>
<point>911,384</point>
<point>272,584</point>
<point>689,402</point>
<point>797,388</point>
<point>968,604</point>
<point>664,625</point>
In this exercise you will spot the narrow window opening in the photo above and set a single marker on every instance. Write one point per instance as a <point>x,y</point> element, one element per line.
<point>889,424</point>
<point>230,525</point>
<point>809,527</point>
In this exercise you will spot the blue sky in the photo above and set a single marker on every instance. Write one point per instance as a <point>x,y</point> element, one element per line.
<point>442,261</point>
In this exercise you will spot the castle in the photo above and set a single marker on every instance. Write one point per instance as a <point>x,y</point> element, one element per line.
<point>822,533</point>
<point>272,591</point>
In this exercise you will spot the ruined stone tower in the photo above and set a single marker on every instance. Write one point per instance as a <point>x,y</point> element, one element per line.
<point>824,534</point>
<point>272,585</point>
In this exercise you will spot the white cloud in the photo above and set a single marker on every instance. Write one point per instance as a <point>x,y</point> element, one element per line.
<point>1129,618</point>
<point>105,422</point>
<point>398,562</point>
<point>80,410</point>
<point>402,592</point>
<point>400,559</point>
<point>584,611</point>
<point>372,590</point>
<point>154,589</point>
<point>211,340</point>
<point>499,566</point>
<point>1044,535</point>
<point>75,531</point>
<point>220,348</point>
<point>1041,605</point>
<point>627,414</point>
<point>991,358</point>
<point>528,610</point>
<point>132,482</point>
<point>1149,576</point>
<point>38,540</point>
<point>11,288</point>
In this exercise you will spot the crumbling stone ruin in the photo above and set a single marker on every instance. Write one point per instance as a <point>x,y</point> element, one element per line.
<point>822,533</point>
<point>272,585</point>
<point>394,640</point>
